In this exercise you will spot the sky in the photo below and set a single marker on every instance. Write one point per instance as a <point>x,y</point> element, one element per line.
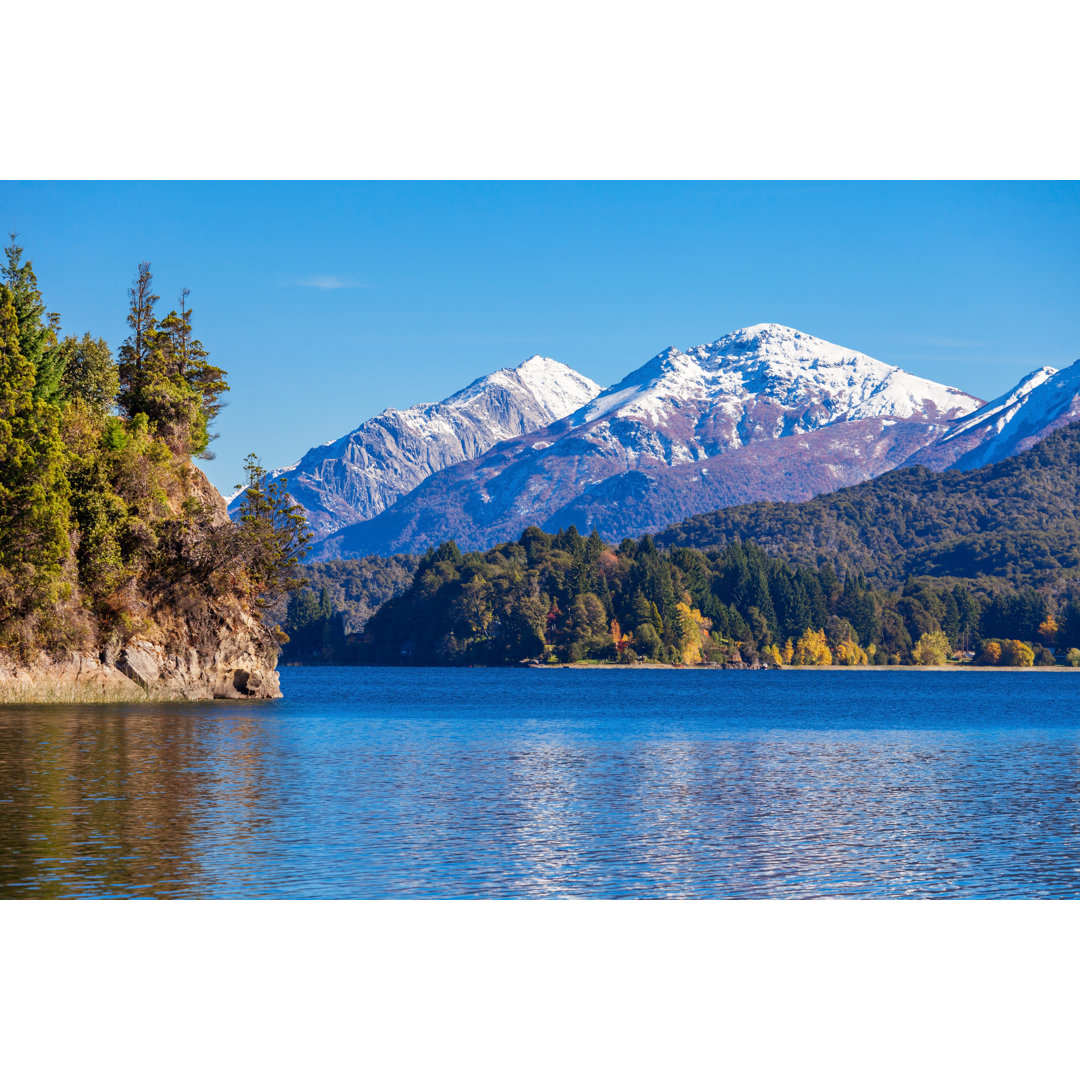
<point>328,302</point>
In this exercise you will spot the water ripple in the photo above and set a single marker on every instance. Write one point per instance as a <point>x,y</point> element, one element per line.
<point>367,783</point>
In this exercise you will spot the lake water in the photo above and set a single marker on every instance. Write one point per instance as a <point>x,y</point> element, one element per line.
<point>488,783</point>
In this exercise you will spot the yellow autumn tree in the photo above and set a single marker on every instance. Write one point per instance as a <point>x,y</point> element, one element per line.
<point>619,639</point>
<point>931,648</point>
<point>693,628</point>
<point>813,649</point>
<point>1017,653</point>
<point>850,654</point>
<point>1048,629</point>
<point>774,655</point>
<point>991,654</point>
<point>788,652</point>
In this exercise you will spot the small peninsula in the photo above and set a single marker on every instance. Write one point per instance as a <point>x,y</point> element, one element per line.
<point>121,574</point>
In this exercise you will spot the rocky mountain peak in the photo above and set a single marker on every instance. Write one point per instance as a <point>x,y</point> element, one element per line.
<point>361,474</point>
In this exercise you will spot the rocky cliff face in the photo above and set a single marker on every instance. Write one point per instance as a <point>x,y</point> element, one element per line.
<point>766,412</point>
<point>184,645</point>
<point>368,470</point>
<point>237,659</point>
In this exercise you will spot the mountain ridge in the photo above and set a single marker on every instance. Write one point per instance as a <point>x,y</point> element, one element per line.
<point>1017,518</point>
<point>362,473</point>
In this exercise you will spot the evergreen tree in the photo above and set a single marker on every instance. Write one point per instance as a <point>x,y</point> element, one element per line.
<point>34,510</point>
<point>1069,632</point>
<point>165,374</point>
<point>136,354</point>
<point>38,333</point>
<point>186,364</point>
<point>90,375</point>
<point>274,535</point>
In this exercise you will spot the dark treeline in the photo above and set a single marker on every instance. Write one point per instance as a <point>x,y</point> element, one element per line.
<point>321,620</point>
<point>102,514</point>
<point>569,598</point>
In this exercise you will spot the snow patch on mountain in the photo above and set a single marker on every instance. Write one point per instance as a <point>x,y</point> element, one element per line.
<point>1002,409</point>
<point>779,364</point>
<point>1039,404</point>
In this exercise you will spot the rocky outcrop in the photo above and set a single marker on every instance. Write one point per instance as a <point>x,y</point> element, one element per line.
<point>237,661</point>
<point>185,643</point>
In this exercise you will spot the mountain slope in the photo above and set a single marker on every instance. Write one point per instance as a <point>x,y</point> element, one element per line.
<point>1018,518</point>
<point>1040,403</point>
<point>699,428</point>
<point>368,470</point>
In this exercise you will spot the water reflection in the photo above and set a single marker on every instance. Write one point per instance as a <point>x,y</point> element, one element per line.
<point>111,801</point>
<point>367,784</point>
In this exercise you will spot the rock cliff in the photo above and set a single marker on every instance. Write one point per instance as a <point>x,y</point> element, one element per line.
<point>186,644</point>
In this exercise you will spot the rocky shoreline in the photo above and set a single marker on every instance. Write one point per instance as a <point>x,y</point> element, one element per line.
<point>236,661</point>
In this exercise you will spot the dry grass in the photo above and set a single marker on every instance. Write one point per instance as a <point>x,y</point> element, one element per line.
<point>69,693</point>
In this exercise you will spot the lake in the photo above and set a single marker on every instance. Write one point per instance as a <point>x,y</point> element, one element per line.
<point>375,782</point>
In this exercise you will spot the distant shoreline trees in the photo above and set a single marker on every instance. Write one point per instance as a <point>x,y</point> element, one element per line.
<point>567,598</point>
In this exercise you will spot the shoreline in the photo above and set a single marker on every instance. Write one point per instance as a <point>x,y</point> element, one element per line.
<point>798,667</point>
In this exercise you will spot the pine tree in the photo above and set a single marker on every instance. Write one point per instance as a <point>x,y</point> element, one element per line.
<point>274,535</point>
<point>186,362</point>
<point>165,374</point>
<point>136,361</point>
<point>34,510</point>
<point>38,333</point>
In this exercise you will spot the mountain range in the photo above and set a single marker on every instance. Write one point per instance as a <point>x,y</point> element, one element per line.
<point>764,413</point>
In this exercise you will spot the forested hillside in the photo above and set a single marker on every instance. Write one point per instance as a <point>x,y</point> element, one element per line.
<point>570,598</point>
<point>1015,521</point>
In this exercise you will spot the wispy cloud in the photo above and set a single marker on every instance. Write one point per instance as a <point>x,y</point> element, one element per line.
<point>329,281</point>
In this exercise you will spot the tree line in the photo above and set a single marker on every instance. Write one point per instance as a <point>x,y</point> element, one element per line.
<point>565,597</point>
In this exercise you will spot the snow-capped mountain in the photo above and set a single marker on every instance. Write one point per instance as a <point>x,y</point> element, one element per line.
<point>765,412</point>
<point>1039,404</point>
<point>368,470</point>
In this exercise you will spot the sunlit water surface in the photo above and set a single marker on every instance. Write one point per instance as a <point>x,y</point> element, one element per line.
<point>489,783</point>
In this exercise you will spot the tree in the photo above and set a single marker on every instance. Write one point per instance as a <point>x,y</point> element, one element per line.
<point>274,535</point>
<point>812,649</point>
<point>1017,653</point>
<point>38,333</point>
<point>135,356</point>
<point>186,364</point>
<point>850,654</point>
<point>1070,624</point>
<point>932,648</point>
<point>692,632</point>
<point>165,374</point>
<point>34,509</point>
<point>90,375</point>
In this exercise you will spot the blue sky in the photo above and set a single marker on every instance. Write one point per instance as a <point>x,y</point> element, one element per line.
<point>329,302</point>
